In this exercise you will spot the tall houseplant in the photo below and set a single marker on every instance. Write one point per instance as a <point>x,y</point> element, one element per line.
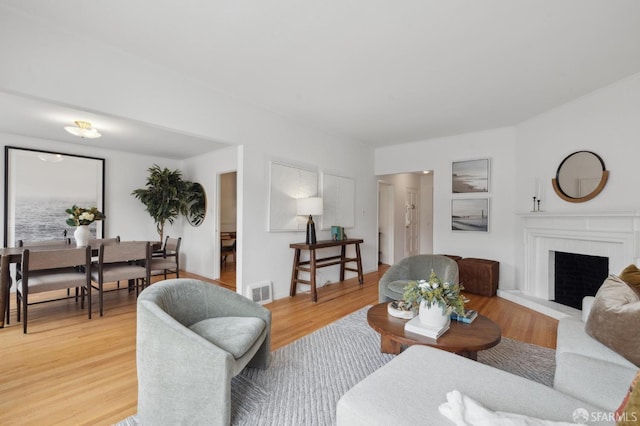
<point>166,196</point>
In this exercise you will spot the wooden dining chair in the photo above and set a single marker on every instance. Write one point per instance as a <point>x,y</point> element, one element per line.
<point>53,269</point>
<point>168,259</point>
<point>37,244</point>
<point>127,260</point>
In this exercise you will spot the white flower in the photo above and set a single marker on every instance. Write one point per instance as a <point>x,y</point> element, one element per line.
<point>435,285</point>
<point>424,285</point>
<point>446,285</point>
<point>87,216</point>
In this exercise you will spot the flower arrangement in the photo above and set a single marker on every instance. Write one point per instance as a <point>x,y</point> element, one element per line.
<point>81,216</point>
<point>434,292</point>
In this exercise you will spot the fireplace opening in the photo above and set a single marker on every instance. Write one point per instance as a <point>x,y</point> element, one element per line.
<point>578,275</point>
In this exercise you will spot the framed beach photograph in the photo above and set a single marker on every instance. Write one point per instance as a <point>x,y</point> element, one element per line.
<point>470,176</point>
<point>470,214</point>
<point>40,185</point>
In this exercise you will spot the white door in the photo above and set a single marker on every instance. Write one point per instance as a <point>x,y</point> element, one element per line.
<point>411,224</point>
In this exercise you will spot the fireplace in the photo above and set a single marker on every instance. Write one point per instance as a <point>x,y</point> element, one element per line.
<point>614,236</point>
<point>576,276</point>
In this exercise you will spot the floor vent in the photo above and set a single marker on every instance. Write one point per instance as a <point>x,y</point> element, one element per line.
<point>260,292</point>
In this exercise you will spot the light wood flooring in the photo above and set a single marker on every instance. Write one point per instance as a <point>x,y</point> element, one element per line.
<point>73,371</point>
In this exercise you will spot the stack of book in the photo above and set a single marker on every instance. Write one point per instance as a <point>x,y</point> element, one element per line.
<point>415,326</point>
<point>468,317</point>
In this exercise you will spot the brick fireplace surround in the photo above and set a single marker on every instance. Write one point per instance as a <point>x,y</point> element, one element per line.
<point>612,235</point>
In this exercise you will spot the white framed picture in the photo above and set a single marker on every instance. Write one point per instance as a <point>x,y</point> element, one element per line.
<point>470,176</point>
<point>470,214</point>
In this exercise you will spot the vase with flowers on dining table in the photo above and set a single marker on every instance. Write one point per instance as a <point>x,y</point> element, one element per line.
<point>81,218</point>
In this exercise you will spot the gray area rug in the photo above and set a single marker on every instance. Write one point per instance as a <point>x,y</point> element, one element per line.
<point>307,377</point>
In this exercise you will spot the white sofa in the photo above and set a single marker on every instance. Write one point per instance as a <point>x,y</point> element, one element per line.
<point>410,388</point>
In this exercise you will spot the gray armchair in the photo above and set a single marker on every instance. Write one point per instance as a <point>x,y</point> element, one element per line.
<point>392,283</point>
<point>192,338</point>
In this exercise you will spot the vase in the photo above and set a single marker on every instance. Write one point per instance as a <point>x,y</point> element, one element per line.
<point>432,316</point>
<point>81,235</point>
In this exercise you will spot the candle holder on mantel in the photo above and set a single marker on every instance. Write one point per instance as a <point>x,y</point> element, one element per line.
<point>536,205</point>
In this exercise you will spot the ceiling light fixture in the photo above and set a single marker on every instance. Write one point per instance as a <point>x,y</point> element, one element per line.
<point>83,129</point>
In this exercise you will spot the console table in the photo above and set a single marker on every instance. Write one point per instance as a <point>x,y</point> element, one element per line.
<point>314,263</point>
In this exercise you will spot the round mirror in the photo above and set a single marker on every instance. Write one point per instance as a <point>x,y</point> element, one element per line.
<point>580,177</point>
<point>196,205</point>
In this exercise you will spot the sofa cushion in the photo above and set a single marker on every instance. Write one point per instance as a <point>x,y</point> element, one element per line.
<point>233,334</point>
<point>572,338</point>
<point>614,318</point>
<point>397,287</point>
<point>631,276</point>
<point>604,386</point>
<point>628,414</point>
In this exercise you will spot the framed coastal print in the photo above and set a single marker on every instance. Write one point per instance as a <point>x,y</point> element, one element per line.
<point>40,185</point>
<point>470,214</point>
<point>470,176</point>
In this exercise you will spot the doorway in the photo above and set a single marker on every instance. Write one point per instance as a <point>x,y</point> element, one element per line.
<point>405,215</point>
<point>227,214</point>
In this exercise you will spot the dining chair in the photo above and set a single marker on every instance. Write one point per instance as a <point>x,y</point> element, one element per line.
<point>53,269</point>
<point>168,259</point>
<point>34,244</point>
<point>126,260</point>
<point>227,247</point>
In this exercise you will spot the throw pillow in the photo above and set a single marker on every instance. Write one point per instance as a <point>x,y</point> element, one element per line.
<point>631,276</point>
<point>614,318</point>
<point>629,412</point>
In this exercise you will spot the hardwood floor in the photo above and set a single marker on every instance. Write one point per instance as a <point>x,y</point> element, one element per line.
<point>73,371</point>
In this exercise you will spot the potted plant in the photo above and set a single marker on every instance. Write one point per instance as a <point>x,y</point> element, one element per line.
<point>434,300</point>
<point>167,196</point>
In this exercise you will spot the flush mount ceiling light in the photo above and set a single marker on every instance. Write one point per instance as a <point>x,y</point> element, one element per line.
<point>83,129</point>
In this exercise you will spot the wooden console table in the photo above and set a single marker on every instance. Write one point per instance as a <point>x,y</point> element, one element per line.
<point>314,263</point>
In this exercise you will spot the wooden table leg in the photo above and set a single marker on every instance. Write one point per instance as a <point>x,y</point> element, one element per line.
<point>388,345</point>
<point>294,273</point>
<point>343,252</point>
<point>359,263</point>
<point>312,273</point>
<point>5,279</point>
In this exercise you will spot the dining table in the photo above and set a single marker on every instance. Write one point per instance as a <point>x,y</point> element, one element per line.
<point>9,255</point>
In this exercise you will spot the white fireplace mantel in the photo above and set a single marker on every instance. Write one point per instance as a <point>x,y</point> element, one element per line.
<point>615,235</point>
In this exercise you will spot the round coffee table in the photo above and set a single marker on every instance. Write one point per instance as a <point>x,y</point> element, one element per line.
<point>462,339</point>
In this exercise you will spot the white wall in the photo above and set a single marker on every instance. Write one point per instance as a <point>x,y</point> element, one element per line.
<point>437,154</point>
<point>605,121</point>
<point>43,62</point>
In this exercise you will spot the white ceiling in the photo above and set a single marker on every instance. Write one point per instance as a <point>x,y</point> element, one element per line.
<point>379,71</point>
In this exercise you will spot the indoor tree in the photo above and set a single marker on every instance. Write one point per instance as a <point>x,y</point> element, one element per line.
<point>166,196</point>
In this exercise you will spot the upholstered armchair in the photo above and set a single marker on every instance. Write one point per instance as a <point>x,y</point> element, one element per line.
<point>192,338</point>
<point>392,283</point>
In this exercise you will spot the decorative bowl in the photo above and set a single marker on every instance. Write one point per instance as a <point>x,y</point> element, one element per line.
<point>400,309</point>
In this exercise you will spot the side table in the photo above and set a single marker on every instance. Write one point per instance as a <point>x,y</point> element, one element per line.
<point>314,263</point>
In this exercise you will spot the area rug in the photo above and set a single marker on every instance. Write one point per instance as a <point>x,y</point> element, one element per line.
<point>307,377</point>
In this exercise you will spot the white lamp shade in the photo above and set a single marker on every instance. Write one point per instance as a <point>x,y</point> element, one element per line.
<point>309,206</point>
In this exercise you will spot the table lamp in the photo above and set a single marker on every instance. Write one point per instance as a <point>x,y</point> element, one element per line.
<point>310,206</point>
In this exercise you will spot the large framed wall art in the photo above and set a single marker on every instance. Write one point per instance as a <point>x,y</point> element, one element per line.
<point>287,184</point>
<point>40,185</point>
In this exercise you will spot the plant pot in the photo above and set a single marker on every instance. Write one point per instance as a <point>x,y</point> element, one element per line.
<point>81,235</point>
<point>432,316</point>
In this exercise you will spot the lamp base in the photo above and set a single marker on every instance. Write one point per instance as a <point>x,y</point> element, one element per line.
<point>311,232</point>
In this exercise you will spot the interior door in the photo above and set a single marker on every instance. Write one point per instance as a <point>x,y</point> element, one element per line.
<point>411,224</point>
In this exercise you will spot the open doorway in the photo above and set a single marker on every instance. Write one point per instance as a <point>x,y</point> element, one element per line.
<point>228,228</point>
<point>405,215</point>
